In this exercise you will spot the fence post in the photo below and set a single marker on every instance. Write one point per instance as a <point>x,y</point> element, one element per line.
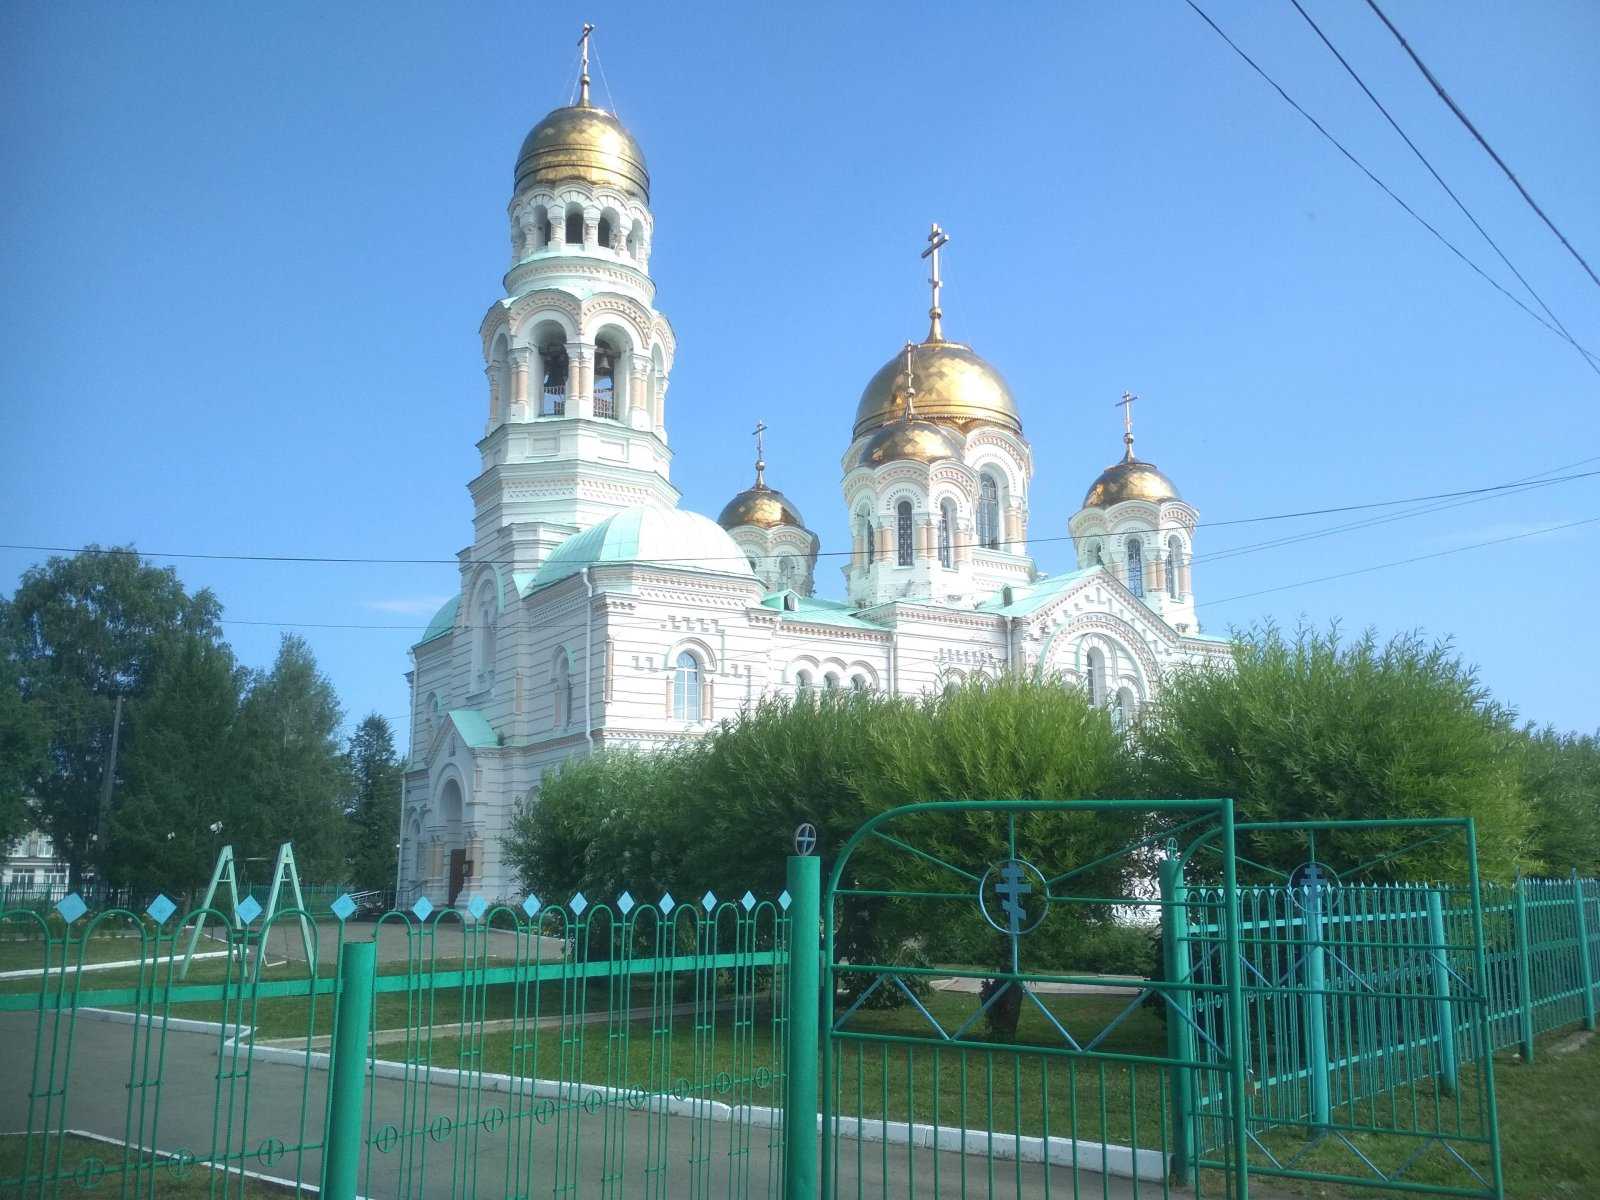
<point>805,1005</point>
<point>1519,908</point>
<point>1316,1003</point>
<point>1580,925</point>
<point>1180,1014</point>
<point>347,1071</point>
<point>1444,1011</point>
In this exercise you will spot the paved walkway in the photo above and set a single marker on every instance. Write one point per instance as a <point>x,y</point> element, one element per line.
<point>467,1143</point>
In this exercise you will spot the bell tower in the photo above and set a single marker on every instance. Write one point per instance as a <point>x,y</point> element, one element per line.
<point>576,355</point>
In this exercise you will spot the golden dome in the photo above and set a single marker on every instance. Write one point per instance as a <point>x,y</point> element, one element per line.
<point>587,143</point>
<point>954,386</point>
<point>1130,479</point>
<point>913,441</point>
<point>762,507</point>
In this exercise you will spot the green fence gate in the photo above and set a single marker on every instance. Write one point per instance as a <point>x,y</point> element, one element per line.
<point>969,1053</point>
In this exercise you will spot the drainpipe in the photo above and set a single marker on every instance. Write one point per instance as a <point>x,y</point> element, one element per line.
<point>1011,643</point>
<point>588,662</point>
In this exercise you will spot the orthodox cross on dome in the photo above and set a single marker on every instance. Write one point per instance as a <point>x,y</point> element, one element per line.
<point>761,466</point>
<point>937,240</point>
<point>583,59</point>
<point>1126,405</point>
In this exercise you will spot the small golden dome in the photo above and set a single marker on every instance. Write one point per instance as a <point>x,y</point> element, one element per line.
<point>1130,479</point>
<point>762,507</point>
<point>954,386</point>
<point>587,143</point>
<point>909,441</point>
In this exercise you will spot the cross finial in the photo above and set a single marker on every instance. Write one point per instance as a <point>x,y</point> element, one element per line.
<point>583,58</point>
<point>1126,405</point>
<point>937,240</point>
<point>761,466</point>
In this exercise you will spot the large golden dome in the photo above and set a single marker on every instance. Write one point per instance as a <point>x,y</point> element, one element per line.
<point>761,506</point>
<point>1130,479</point>
<point>587,143</point>
<point>954,387</point>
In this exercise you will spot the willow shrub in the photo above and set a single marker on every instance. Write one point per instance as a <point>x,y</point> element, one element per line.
<point>1310,727</point>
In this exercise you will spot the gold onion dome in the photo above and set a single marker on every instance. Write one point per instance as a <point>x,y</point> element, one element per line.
<point>586,143</point>
<point>1132,478</point>
<point>761,506</point>
<point>913,441</point>
<point>954,387</point>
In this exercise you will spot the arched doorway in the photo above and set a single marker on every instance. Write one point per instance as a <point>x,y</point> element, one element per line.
<point>456,869</point>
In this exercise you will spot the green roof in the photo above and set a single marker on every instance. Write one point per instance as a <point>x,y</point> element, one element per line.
<point>1038,594</point>
<point>474,728</point>
<point>443,621</point>
<point>671,537</point>
<point>819,612</point>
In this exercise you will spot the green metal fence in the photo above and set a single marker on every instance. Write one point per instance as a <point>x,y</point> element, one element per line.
<point>587,1048</point>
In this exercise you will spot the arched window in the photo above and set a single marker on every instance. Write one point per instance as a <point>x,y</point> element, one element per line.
<point>989,512</point>
<point>902,533</point>
<point>830,682</point>
<point>686,688</point>
<point>1094,676</point>
<point>553,375</point>
<point>541,226</point>
<point>789,570</point>
<point>1135,567</point>
<point>1119,711</point>
<point>574,226</point>
<point>562,675</point>
<point>635,239</point>
<point>605,380</point>
<point>947,526</point>
<point>802,681</point>
<point>607,232</point>
<point>1174,555</point>
<point>866,537</point>
<point>484,614</point>
<point>858,683</point>
<point>1097,555</point>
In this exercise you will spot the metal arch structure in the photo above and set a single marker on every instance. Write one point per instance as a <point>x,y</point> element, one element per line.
<point>1067,1110</point>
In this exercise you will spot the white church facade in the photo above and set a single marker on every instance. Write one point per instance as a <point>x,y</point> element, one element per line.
<point>594,613</point>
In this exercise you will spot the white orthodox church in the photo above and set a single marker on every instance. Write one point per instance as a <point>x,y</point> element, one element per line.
<point>595,613</point>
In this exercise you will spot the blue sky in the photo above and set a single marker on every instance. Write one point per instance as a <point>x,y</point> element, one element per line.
<point>246,250</point>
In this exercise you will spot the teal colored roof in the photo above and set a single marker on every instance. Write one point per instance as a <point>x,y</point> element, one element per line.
<point>443,621</point>
<point>1039,593</point>
<point>1207,637</point>
<point>522,581</point>
<point>819,612</point>
<point>474,728</point>
<point>670,537</point>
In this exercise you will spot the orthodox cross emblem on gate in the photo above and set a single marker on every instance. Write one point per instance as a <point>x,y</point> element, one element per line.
<point>1013,896</point>
<point>1314,884</point>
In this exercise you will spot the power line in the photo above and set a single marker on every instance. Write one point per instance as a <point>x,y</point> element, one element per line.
<point>1401,562</point>
<point>1439,179</point>
<point>1513,487</point>
<point>1362,167</point>
<point>1473,129</point>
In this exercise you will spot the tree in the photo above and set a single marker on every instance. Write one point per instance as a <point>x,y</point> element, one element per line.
<point>1561,777</point>
<point>287,759</point>
<point>24,746</point>
<point>78,633</point>
<point>371,802</point>
<point>178,774</point>
<point>1314,728</point>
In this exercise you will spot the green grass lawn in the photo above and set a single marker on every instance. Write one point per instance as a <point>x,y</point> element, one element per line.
<point>94,1167</point>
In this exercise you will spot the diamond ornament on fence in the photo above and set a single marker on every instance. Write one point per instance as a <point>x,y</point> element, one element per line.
<point>422,908</point>
<point>477,907</point>
<point>784,899</point>
<point>343,907</point>
<point>531,905</point>
<point>625,903</point>
<point>577,904</point>
<point>748,900</point>
<point>667,904</point>
<point>249,909</point>
<point>71,907</point>
<point>708,901</point>
<point>160,909</point>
